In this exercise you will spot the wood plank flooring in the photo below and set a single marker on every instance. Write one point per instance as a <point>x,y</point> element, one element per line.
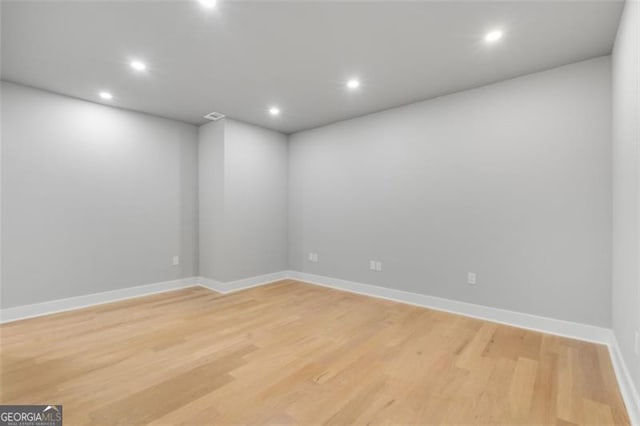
<point>294,353</point>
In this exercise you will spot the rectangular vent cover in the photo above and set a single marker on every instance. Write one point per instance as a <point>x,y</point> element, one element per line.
<point>214,116</point>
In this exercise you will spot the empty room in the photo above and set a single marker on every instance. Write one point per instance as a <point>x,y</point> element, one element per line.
<point>282,212</point>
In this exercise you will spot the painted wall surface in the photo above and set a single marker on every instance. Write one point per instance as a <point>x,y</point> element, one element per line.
<point>510,181</point>
<point>211,198</point>
<point>243,201</point>
<point>256,173</point>
<point>626,186</point>
<point>94,198</point>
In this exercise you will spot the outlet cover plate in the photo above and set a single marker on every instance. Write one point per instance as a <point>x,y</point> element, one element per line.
<point>471,278</point>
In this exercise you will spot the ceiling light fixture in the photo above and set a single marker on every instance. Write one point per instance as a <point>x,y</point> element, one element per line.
<point>138,65</point>
<point>353,83</point>
<point>106,95</point>
<point>209,4</point>
<point>274,111</point>
<point>493,36</point>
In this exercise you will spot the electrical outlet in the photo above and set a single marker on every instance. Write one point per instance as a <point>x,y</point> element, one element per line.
<point>378,266</point>
<point>471,278</point>
<point>372,265</point>
<point>637,346</point>
<point>176,260</point>
<point>313,257</point>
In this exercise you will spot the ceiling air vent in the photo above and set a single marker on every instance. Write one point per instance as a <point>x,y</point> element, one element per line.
<point>214,116</point>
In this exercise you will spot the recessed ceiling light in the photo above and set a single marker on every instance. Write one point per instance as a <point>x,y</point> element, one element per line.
<point>106,95</point>
<point>138,65</point>
<point>353,83</point>
<point>209,4</point>
<point>274,111</point>
<point>493,36</point>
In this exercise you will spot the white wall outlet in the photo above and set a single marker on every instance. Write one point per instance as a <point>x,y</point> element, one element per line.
<point>176,260</point>
<point>313,257</point>
<point>378,266</point>
<point>372,265</point>
<point>637,346</point>
<point>471,278</point>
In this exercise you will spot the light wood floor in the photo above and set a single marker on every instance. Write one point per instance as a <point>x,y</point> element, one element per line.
<point>293,353</point>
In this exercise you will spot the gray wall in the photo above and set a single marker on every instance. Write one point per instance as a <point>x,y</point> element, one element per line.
<point>243,201</point>
<point>211,199</point>
<point>626,185</point>
<point>511,181</point>
<point>94,198</point>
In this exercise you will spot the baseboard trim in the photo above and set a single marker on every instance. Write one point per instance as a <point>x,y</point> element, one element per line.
<point>210,284</point>
<point>627,387</point>
<point>78,302</point>
<point>243,284</point>
<point>528,321</point>
<point>62,305</point>
<point>517,319</point>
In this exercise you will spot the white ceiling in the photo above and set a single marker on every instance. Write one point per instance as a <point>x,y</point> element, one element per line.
<point>242,57</point>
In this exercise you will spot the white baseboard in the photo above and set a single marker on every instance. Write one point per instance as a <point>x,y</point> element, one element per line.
<point>210,284</point>
<point>232,286</point>
<point>625,382</point>
<point>71,303</point>
<point>78,302</point>
<point>532,322</point>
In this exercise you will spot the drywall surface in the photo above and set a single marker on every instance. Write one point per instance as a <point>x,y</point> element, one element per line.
<point>211,198</point>
<point>256,173</point>
<point>626,186</point>
<point>94,198</point>
<point>510,181</point>
<point>243,200</point>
